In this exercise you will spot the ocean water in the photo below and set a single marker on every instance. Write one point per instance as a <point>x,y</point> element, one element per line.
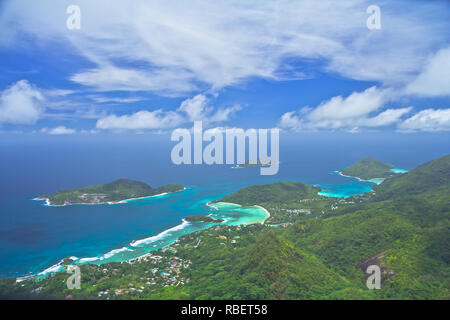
<point>34,237</point>
<point>398,170</point>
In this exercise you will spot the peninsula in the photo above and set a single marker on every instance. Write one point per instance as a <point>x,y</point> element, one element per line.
<point>113,192</point>
<point>203,219</point>
<point>368,168</point>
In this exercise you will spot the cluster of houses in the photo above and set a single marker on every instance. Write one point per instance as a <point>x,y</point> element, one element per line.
<point>342,201</point>
<point>166,271</point>
<point>93,197</point>
<point>171,274</point>
<point>298,211</point>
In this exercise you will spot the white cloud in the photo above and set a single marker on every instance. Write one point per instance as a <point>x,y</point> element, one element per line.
<point>198,108</point>
<point>106,99</point>
<point>353,130</point>
<point>360,109</point>
<point>355,105</point>
<point>21,103</point>
<point>224,114</point>
<point>434,80</point>
<point>172,47</point>
<point>190,110</point>
<point>58,92</point>
<point>157,119</point>
<point>175,48</point>
<point>430,120</point>
<point>385,118</point>
<point>290,120</point>
<point>109,78</point>
<point>61,130</point>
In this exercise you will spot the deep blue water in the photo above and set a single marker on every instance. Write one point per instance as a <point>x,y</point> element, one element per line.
<point>34,237</point>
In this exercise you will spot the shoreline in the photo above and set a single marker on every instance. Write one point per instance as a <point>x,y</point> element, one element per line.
<point>235,204</point>
<point>58,267</point>
<point>267,211</point>
<point>359,179</point>
<point>324,193</point>
<point>48,204</point>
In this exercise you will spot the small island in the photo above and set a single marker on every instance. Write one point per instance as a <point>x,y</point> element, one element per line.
<point>255,163</point>
<point>368,169</point>
<point>203,219</point>
<point>113,192</point>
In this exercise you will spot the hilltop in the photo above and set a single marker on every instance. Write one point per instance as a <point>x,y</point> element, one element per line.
<point>116,191</point>
<point>277,192</point>
<point>368,168</point>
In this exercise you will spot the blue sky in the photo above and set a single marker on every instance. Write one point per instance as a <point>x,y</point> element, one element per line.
<point>150,67</point>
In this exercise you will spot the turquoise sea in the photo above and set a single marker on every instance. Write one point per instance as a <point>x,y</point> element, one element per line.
<point>137,227</point>
<point>35,237</point>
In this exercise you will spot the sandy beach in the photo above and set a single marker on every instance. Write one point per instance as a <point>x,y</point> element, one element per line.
<point>267,211</point>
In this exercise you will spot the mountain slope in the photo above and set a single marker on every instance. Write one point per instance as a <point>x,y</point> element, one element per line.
<point>431,176</point>
<point>369,168</point>
<point>277,192</point>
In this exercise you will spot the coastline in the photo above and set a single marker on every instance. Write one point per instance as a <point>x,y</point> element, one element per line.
<point>133,245</point>
<point>238,205</point>
<point>48,204</point>
<point>267,211</point>
<point>325,192</point>
<point>339,172</point>
<point>156,239</point>
<point>373,180</point>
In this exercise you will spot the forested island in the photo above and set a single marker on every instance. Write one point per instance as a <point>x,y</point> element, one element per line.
<point>113,192</point>
<point>319,248</point>
<point>254,163</point>
<point>202,219</point>
<point>369,168</point>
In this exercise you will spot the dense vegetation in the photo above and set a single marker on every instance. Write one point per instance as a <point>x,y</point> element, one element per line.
<point>287,201</point>
<point>369,168</point>
<point>278,192</point>
<point>404,228</point>
<point>202,219</point>
<point>115,191</point>
<point>430,177</point>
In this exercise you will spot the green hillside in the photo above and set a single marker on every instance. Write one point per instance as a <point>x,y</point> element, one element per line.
<point>431,176</point>
<point>115,191</point>
<point>404,228</point>
<point>261,266</point>
<point>202,219</point>
<point>278,192</point>
<point>406,232</point>
<point>369,168</point>
<point>282,199</point>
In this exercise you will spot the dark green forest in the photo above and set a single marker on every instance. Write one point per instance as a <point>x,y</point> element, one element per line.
<point>369,168</point>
